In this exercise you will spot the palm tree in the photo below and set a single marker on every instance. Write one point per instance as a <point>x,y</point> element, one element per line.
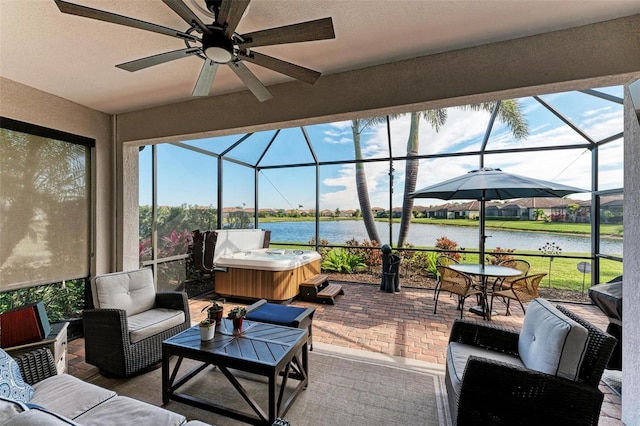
<point>508,113</point>
<point>357,127</point>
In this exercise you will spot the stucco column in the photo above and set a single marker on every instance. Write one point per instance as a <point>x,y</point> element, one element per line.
<point>127,211</point>
<point>630,295</point>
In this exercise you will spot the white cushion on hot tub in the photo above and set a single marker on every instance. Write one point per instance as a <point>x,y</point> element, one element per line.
<point>230,241</point>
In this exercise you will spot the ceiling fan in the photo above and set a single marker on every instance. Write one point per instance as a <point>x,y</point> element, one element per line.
<point>218,43</point>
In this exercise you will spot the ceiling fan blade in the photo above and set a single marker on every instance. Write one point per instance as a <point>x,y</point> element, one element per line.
<point>150,61</point>
<point>223,12</point>
<point>101,15</point>
<point>251,81</point>
<point>292,70</point>
<point>320,29</point>
<point>205,79</point>
<point>187,14</point>
<point>236,10</point>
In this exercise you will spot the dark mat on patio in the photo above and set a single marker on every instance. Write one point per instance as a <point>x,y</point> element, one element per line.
<point>346,387</point>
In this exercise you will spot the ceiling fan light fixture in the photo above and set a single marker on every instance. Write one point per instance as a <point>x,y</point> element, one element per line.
<point>217,47</point>
<point>218,54</point>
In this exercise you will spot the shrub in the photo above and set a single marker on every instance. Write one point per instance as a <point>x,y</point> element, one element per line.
<point>499,255</point>
<point>372,256</point>
<point>340,260</point>
<point>448,245</point>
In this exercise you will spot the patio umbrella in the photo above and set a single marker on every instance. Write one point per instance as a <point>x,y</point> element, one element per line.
<point>492,184</point>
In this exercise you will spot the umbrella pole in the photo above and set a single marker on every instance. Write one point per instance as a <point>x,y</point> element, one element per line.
<point>481,230</point>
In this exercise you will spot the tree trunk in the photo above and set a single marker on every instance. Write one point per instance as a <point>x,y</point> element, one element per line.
<point>362,188</point>
<point>410,178</point>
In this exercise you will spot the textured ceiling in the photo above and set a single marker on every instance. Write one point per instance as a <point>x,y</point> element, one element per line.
<point>74,57</point>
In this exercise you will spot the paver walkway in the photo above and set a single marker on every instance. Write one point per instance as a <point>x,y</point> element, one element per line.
<point>401,324</point>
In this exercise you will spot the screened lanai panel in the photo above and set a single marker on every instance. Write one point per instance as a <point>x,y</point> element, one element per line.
<point>598,117</point>
<point>340,210</point>
<point>238,196</point>
<point>337,141</point>
<point>458,130</point>
<point>569,167</point>
<point>568,118</point>
<point>611,165</point>
<point>252,146</point>
<point>288,203</point>
<point>217,145</point>
<point>288,147</point>
<point>187,194</point>
<point>611,224</point>
<point>45,222</point>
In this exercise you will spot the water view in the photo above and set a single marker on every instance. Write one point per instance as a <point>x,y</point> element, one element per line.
<point>338,232</point>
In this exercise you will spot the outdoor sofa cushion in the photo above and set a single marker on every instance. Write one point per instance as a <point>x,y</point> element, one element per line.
<point>551,342</point>
<point>68,395</point>
<point>122,410</point>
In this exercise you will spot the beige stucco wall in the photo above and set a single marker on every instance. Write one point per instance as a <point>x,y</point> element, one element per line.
<point>630,295</point>
<point>26,104</point>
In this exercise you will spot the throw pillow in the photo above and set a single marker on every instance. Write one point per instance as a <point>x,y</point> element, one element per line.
<point>11,383</point>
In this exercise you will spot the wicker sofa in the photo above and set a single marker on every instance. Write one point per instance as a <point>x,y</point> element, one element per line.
<point>37,395</point>
<point>548,373</point>
<point>124,333</point>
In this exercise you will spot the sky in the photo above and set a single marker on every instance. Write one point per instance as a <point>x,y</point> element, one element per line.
<point>188,177</point>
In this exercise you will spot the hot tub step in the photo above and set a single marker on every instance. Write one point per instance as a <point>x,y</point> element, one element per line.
<point>317,289</point>
<point>318,280</point>
<point>331,291</point>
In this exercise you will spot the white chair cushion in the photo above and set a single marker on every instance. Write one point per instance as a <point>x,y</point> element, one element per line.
<point>551,342</point>
<point>458,354</point>
<point>132,291</point>
<point>151,322</point>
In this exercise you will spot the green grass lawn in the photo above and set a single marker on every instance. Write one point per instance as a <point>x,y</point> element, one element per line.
<point>563,272</point>
<point>608,230</point>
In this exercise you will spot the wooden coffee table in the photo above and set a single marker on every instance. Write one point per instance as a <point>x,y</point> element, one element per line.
<point>263,349</point>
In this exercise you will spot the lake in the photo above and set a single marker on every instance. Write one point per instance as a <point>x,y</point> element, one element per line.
<point>339,232</point>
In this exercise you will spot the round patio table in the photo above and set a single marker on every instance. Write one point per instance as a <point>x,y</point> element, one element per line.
<point>484,272</point>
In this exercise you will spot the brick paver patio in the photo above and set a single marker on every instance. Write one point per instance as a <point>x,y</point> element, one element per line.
<point>401,324</point>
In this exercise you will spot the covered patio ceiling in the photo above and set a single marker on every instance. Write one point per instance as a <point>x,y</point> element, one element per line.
<point>74,58</point>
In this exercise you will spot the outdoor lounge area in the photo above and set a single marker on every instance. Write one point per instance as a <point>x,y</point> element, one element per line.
<point>396,331</point>
<point>125,127</point>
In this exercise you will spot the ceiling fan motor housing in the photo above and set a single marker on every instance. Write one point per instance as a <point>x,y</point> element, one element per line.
<point>217,47</point>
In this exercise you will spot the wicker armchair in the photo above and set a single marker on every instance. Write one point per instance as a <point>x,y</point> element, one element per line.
<point>124,334</point>
<point>519,264</point>
<point>456,283</point>
<point>493,391</point>
<point>522,290</point>
<point>441,260</point>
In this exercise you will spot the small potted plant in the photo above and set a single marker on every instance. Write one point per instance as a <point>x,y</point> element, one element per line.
<point>207,329</point>
<point>236,315</point>
<point>214,310</point>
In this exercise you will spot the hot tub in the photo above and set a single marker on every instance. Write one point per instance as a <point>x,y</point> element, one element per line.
<point>260,273</point>
<point>268,259</point>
